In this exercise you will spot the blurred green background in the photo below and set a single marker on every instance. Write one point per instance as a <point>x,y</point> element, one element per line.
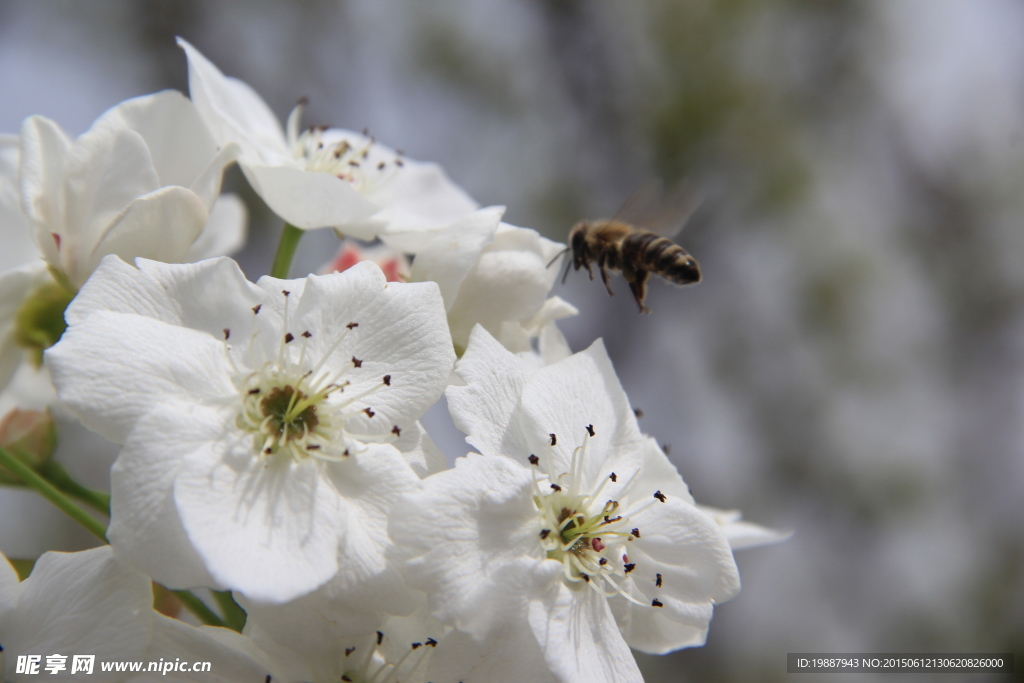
<point>852,366</point>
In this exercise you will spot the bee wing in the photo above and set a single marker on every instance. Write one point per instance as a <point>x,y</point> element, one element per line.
<point>651,208</point>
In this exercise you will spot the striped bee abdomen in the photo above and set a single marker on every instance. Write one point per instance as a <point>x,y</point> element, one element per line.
<point>648,251</point>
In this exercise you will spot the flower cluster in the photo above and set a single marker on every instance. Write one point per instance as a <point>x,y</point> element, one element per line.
<point>274,482</point>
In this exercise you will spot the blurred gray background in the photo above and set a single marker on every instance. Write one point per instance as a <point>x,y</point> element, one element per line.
<point>852,366</point>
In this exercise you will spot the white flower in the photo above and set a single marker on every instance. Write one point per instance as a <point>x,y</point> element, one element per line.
<point>259,422</point>
<point>321,177</point>
<point>314,643</point>
<point>141,182</point>
<point>563,526</point>
<point>87,604</point>
<point>492,274</point>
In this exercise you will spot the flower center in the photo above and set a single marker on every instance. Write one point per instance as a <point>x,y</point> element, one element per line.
<point>295,403</point>
<point>589,537</point>
<point>360,163</point>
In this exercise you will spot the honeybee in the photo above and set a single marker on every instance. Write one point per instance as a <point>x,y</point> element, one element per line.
<point>636,241</point>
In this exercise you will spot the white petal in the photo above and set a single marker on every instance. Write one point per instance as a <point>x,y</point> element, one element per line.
<point>269,528</point>
<point>207,184</point>
<point>697,570</point>
<point>104,173</point>
<point>232,110</point>
<point>161,225</point>
<point>511,655</point>
<point>370,483</point>
<point>419,451</point>
<point>653,631</point>
<point>44,149</point>
<point>15,228</point>
<point>577,633</point>
<point>308,199</point>
<point>233,658</point>
<point>741,534</point>
<point>659,474</point>
<point>80,603</point>
<point>208,296</point>
<point>472,533</point>
<point>448,258</point>
<point>179,143</point>
<point>424,197</point>
<point>145,529</point>
<point>484,408</point>
<point>509,282</point>
<point>565,398</point>
<point>8,585</point>
<point>225,230</point>
<point>113,368</point>
<point>400,332</point>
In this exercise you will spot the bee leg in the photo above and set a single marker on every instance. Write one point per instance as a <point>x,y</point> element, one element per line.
<point>604,277</point>
<point>638,285</point>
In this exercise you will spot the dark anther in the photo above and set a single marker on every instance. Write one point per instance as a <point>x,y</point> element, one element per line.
<point>303,101</point>
<point>381,165</point>
<point>554,439</point>
<point>399,163</point>
<point>289,338</point>
<point>534,460</point>
<point>286,292</point>
<point>369,412</point>
<point>657,580</point>
<point>396,431</point>
<point>253,392</point>
<point>345,453</point>
<point>416,646</point>
<point>346,678</point>
<point>585,578</point>
<point>556,487</point>
<point>267,680</point>
<point>590,429</point>
<point>349,650</point>
<point>629,567</point>
<point>613,477</point>
<point>544,533</point>
<point>307,334</point>
<point>635,532</point>
<point>387,380</point>
<point>356,362</point>
<point>603,561</point>
<point>227,334</point>
<point>354,163</point>
<point>351,325</point>
<point>667,447</point>
<point>660,496</point>
<point>313,447</point>
<point>268,450</point>
<point>256,308</point>
<point>431,642</point>
<point>639,413</point>
<point>380,637</point>
<point>656,603</point>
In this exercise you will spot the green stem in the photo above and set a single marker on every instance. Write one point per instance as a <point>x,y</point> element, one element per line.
<point>234,616</point>
<point>50,493</point>
<point>55,473</point>
<point>198,608</point>
<point>285,251</point>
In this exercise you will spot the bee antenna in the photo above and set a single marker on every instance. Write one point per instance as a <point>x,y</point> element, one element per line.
<point>557,256</point>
